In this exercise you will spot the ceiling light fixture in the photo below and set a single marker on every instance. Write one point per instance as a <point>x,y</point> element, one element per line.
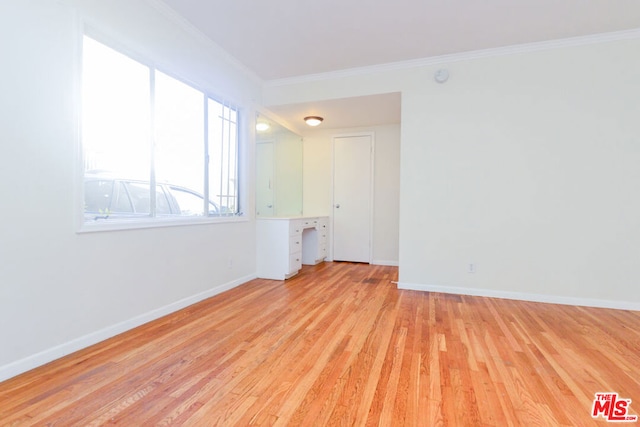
<point>313,120</point>
<point>262,126</point>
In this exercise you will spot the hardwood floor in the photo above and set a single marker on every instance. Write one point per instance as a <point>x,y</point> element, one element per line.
<point>340,345</point>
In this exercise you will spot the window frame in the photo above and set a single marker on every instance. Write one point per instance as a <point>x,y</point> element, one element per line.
<point>153,221</point>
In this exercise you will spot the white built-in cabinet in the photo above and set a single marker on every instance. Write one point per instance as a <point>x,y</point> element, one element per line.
<point>284,244</point>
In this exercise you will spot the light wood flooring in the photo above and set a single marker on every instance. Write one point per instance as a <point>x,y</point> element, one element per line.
<point>340,345</point>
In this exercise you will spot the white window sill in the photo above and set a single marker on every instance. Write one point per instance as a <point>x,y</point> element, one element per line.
<point>135,224</point>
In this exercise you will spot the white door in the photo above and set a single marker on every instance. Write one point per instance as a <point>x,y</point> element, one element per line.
<point>352,169</point>
<point>264,179</point>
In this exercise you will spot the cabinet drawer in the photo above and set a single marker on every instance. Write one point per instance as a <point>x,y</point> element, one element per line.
<point>309,222</point>
<point>322,251</point>
<point>295,262</point>
<point>295,243</point>
<point>295,227</point>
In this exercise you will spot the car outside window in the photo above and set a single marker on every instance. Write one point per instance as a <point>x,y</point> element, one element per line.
<point>98,196</point>
<point>191,203</point>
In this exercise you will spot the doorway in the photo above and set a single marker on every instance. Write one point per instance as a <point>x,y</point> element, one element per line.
<point>352,197</point>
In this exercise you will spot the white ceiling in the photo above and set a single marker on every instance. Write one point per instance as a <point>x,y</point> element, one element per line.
<point>278,39</point>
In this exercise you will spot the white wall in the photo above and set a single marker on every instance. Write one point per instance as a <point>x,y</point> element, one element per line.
<point>60,290</point>
<point>525,165</point>
<point>317,191</point>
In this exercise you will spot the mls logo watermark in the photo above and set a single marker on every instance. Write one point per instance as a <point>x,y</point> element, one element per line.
<point>612,408</point>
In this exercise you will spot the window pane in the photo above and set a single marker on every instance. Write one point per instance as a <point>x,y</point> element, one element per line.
<point>98,196</point>
<point>122,204</point>
<point>115,112</point>
<point>189,202</point>
<point>232,189</point>
<point>140,197</point>
<point>179,138</point>
<point>162,202</point>
<point>223,153</point>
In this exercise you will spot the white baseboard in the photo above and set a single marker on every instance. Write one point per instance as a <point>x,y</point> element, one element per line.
<point>390,263</point>
<point>523,296</point>
<point>51,354</point>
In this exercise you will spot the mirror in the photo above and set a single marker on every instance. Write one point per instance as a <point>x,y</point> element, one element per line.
<point>278,169</point>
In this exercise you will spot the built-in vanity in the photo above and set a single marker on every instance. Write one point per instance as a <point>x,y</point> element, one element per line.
<point>285,238</point>
<point>285,243</point>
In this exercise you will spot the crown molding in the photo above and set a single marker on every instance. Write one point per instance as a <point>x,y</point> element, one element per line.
<point>462,56</point>
<point>187,26</point>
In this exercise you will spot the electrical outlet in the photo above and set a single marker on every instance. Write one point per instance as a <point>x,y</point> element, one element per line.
<point>471,268</point>
<point>230,263</point>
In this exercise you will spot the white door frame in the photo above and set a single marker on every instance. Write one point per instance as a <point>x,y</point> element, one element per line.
<point>370,134</point>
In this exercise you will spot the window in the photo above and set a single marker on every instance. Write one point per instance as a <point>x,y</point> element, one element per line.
<point>153,146</point>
